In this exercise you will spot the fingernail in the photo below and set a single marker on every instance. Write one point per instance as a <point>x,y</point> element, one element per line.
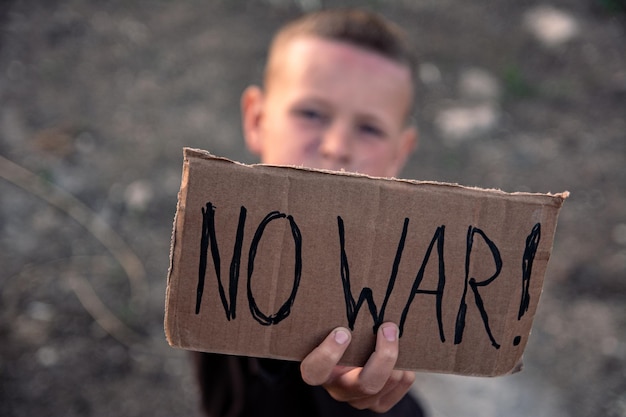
<point>390,333</point>
<point>341,336</point>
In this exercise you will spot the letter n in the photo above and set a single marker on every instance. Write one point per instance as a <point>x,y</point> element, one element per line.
<point>209,240</point>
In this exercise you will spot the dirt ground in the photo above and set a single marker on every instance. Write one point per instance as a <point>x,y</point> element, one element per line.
<point>97,98</point>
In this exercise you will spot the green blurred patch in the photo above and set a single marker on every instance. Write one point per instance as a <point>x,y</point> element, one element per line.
<point>613,6</point>
<point>515,83</point>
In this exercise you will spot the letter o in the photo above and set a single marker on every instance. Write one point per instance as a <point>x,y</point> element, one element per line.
<point>284,311</point>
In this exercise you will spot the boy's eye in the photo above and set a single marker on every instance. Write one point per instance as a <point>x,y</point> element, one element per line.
<point>371,130</point>
<point>309,114</point>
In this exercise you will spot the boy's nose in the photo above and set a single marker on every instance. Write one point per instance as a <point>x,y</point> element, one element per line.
<point>336,146</point>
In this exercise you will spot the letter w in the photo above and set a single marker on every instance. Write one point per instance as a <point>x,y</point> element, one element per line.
<point>352,306</point>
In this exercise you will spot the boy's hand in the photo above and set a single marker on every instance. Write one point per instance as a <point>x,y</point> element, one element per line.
<point>376,386</point>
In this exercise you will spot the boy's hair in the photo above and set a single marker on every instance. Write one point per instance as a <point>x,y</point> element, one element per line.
<point>361,28</point>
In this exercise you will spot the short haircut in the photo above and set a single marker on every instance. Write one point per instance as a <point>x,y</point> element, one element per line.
<point>359,27</point>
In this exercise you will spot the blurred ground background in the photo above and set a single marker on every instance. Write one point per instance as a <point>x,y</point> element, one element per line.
<point>97,98</point>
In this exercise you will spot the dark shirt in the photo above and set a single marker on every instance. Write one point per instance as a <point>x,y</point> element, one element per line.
<point>232,386</point>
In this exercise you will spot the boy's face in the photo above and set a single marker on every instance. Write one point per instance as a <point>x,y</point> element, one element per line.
<point>331,105</point>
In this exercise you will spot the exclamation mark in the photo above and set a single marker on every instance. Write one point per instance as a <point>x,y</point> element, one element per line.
<point>532,243</point>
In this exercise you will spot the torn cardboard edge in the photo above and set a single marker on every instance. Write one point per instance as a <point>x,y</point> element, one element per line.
<point>202,154</point>
<point>267,260</point>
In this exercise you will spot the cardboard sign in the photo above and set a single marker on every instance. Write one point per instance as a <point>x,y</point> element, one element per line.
<point>267,260</point>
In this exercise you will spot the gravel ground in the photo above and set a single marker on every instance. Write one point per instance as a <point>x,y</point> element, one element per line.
<point>98,98</point>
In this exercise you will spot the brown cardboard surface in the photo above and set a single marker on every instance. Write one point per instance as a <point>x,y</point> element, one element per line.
<point>266,261</point>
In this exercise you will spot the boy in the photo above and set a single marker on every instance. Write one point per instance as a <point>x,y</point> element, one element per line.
<point>338,93</point>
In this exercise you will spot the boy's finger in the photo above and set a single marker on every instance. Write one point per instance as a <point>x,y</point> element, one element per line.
<point>316,368</point>
<point>401,387</point>
<point>380,365</point>
<point>395,389</point>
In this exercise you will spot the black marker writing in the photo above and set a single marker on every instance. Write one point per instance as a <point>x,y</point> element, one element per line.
<point>532,243</point>
<point>473,284</point>
<point>209,238</point>
<point>353,307</point>
<point>209,243</point>
<point>285,309</point>
<point>438,237</point>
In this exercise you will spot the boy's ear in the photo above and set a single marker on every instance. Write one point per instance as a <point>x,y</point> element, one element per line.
<point>408,143</point>
<point>251,115</point>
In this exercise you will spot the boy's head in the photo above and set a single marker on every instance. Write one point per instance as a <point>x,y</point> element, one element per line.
<point>338,94</point>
